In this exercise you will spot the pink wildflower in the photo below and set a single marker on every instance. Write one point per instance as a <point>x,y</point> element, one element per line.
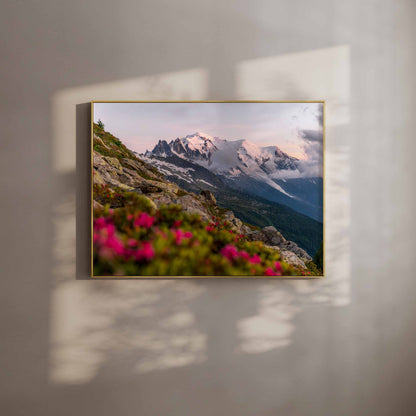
<point>144,220</point>
<point>180,235</point>
<point>115,244</point>
<point>100,223</point>
<point>131,242</point>
<point>244,255</point>
<point>269,272</point>
<point>229,251</point>
<point>209,228</point>
<point>278,266</point>
<point>255,259</point>
<point>146,252</point>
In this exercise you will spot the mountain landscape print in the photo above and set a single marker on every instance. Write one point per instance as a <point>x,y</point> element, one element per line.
<point>207,189</point>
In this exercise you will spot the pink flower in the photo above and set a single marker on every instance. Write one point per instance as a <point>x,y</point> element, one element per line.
<point>100,223</point>
<point>269,272</point>
<point>115,244</point>
<point>110,230</point>
<point>146,252</point>
<point>130,217</point>
<point>244,255</point>
<point>131,242</point>
<point>144,220</point>
<point>278,266</point>
<point>180,235</point>
<point>209,228</point>
<point>255,259</point>
<point>229,251</point>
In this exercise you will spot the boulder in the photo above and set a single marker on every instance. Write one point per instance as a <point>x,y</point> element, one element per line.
<point>96,205</point>
<point>98,179</point>
<point>209,197</point>
<point>294,248</point>
<point>193,206</point>
<point>229,215</point>
<point>272,236</point>
<point>162,199</point>
<point>292,259</point>
<point>256,235</point>
<point>147,188</point>
<point>114,163</point>
<point>275,248</point>
<point>245,229</point>
<point>139,168</point>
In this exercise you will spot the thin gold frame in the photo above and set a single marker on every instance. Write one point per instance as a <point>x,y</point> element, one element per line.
<point>206,277</point>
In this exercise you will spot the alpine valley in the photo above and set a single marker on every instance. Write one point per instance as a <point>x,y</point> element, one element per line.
<point>261,185</point>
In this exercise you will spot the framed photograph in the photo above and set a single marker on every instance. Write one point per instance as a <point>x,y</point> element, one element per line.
<point>207,189</point>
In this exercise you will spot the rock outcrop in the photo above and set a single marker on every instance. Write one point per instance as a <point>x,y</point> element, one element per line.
<point>209,197</point>
<point>289,250</point>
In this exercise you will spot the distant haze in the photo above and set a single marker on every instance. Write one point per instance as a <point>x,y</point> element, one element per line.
<point>296,128</point>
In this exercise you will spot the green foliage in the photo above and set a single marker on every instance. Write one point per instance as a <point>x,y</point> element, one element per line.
<point>313,268</point>
<point>304,231</point>
<point>318,258</point>
<point>100,124</point>
<point>105,195</point>
<point>139,240</point>
<point>181,192</point>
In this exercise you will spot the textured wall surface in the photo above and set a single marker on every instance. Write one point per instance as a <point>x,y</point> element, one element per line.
<point>339,346</point>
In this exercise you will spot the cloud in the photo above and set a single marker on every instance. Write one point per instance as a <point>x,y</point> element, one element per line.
<point>311,136</point>
<point>312,146</point>
<point>320,116</point>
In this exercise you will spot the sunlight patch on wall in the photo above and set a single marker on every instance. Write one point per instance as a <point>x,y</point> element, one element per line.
<point>322,74</point>
<point>273,326</point>
<point>124,327</point>
<point>102,327</point>
<point>183,85</point>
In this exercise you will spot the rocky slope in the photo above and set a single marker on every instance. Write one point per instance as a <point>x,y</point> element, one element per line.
<point>117,168</point>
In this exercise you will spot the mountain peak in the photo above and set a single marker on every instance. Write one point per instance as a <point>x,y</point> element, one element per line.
<point>199,134</point>
<point>236,157</point>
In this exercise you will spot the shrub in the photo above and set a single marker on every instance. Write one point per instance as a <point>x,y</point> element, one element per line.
<point>137,239</point>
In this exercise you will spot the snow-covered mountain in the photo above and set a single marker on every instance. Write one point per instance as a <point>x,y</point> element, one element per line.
<point>225,157</point>
<point>263,171</point>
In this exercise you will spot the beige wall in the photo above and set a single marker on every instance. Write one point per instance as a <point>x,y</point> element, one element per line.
<point>340,346</point>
